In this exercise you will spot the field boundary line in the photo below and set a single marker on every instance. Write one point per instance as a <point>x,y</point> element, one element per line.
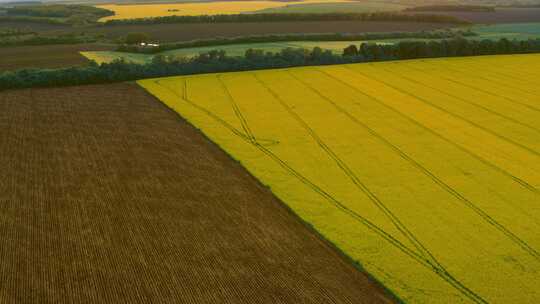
<point>340,206</point>
<point>439,268</point>
<point>349,173</point>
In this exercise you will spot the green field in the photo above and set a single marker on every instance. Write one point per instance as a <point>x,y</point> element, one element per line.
<point>520,31</point>
<point>232,50</point>
<point>351,7</point>
<point>425,172</point>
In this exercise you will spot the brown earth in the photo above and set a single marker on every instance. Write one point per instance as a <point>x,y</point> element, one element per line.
<point>46,56</point>
<point>33,26</point>
<point>186,32</point>
<point>106,196</point>
<point>501,15</point>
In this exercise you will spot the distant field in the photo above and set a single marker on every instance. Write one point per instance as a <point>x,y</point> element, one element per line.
<point>523,31</point>
<point>233,50</point>
<point>501,15</point>
<point>130,11</point>
<point>109,56</point>
<point>350,7</point>
<point>32,26</point>
<point>187,32</point>
<point>46,56</point>
<point>520,31</point>
<point>66,55</point>
<point>426,172</point>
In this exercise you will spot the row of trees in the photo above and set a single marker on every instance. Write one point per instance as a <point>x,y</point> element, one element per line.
<point>218,61</point>
<point>275,17</point>
<point>444,48</point>
<point>136,38</point>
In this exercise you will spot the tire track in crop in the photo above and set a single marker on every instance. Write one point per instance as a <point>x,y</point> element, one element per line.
<point>442,273</point>
<point>246,135</point>
<point>463,100</point>
<point>518,75</point>
<point>504,84</point>
<point>264,150</point>
<point>503,70</point>
<point>237,112</point>
<point>496,81</point>
<point>239,115</point>
<point>414,96</point>
<point>507,77</point>
<point>439,182</point>
<point>442,109</point>
<point>482,90</point>
<point>349,172</point>
<point>422,250</point>
<point>504,74</point>
<point>518,180</point>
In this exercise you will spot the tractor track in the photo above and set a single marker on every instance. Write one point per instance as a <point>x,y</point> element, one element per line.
<point>439,271</point>
<point>486,217</point>
<point>465,101</point>
<point>511,100</point>
<point>518,180</point>
<point>490,78</point>
<point>474,124</point>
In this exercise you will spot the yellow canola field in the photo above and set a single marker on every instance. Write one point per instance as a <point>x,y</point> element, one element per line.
<point>426,172</point>
<point>132,11</point>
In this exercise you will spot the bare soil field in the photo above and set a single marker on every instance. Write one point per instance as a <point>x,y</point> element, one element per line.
<point>107,196</point>
<point>46,56</point>
<point>33,26</point>
<point>186,32</point>
<point>501,15</point>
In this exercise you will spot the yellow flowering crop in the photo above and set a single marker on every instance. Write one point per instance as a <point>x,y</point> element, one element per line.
<point>130,11</point>
<point>426,172</point>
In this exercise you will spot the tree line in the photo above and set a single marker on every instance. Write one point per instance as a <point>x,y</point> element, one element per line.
<point>218,61</point>
<point>277,17</point>
<point>444,48</point>
<point>439,34</point>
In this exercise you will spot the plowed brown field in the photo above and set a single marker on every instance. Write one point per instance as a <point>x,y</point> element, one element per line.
<point>106,196</point>
<point>47,56</point>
